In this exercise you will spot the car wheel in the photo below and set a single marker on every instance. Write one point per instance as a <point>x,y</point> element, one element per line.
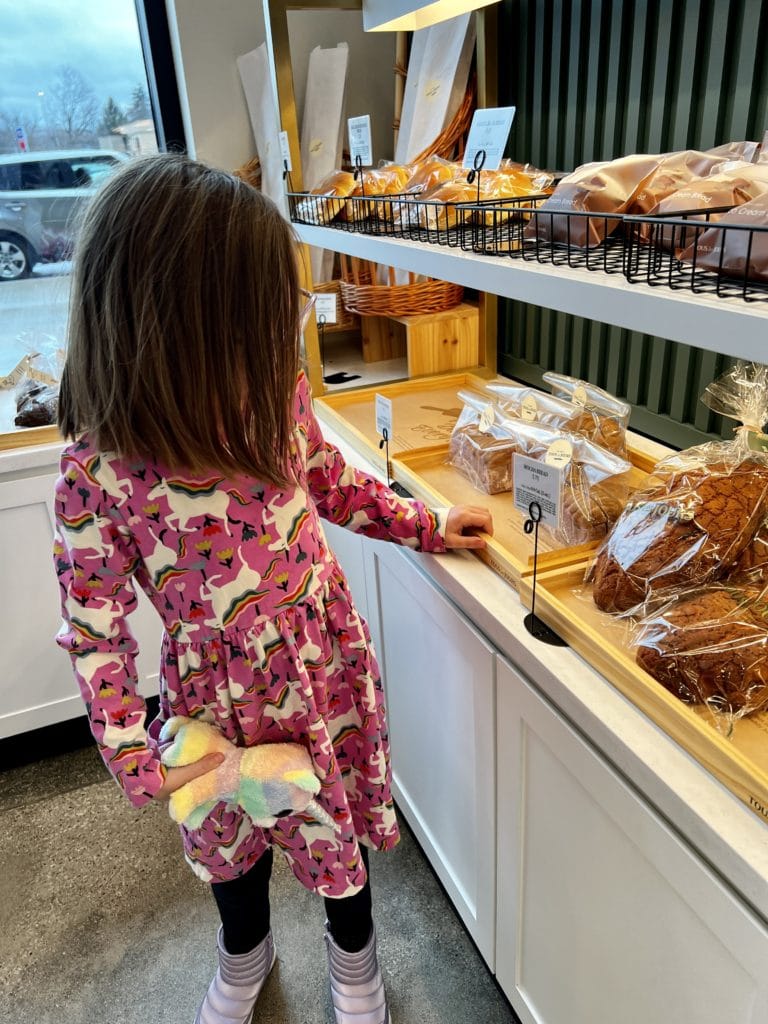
<point>15,258</point>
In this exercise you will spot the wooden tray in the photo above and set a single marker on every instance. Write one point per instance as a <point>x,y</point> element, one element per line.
<point>427,474</point>
<point>740,761</point>
<point>424,412</point>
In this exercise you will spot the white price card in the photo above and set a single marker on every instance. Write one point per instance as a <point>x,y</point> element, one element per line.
<point>539,482</point>
<point>384,416</point>
<point>325,306</point>
<point>360,141</point>
<point>489,131</point>
<point>285,152</point>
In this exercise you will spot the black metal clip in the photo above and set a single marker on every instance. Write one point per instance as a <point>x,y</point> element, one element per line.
<point>477,165</point>
<point>539,630</point>
<point>384,443</point>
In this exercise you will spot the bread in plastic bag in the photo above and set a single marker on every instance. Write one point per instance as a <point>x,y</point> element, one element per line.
<point>740,252</point>
<point>700,510</point>
<point>709,645</point>
<point>36,403</point>
<point>334,187</point>
<point>606,429</point>
<point>594,481</point>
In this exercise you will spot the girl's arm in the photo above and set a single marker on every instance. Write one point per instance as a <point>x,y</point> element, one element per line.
<point>347,496</point>
<point>95,561</point>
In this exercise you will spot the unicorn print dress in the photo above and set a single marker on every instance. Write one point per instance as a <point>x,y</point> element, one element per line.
<point>261,635</point>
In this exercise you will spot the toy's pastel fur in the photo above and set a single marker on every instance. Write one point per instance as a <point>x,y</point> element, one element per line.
<point>268,780</point>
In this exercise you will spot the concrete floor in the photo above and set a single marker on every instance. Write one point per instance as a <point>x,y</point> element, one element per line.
<point>101,921</point>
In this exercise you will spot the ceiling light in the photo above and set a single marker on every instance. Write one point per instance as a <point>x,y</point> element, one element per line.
<point>409,15</point>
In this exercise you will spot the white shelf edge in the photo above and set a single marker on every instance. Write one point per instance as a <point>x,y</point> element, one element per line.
<point>731,327</point>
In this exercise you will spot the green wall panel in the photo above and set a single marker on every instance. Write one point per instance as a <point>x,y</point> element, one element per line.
<point>597,79</point>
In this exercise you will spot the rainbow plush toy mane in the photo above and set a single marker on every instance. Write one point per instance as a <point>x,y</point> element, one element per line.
<point>268,781</point>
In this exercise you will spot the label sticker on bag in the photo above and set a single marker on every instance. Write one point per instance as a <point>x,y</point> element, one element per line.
<point>580,395</point>
<point>486,419</point>
<point>757,442</point>
<point>559,453</point>
<point>529,410</point>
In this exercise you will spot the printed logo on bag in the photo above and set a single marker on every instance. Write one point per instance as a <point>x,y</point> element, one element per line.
<point>486,419</point>
<point>559,453</point>
<point>529,410</point>
<point>580,395</point>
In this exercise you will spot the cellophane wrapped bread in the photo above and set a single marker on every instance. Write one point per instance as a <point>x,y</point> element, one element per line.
<point>386,180</point>
<point>518,401</point>
<point>606,188</point>
<point>701,509</point>
<point>334,188</point>
<point>506,183</point>
<point>740,252</point>
<point>593,481</point>
<point>709,645</point>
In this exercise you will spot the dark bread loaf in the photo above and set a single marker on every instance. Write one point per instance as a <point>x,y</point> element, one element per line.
<point>688,529</point>
<point>711,646</point>
<point>483,458</point>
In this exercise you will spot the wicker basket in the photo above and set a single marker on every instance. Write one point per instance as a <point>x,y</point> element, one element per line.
<point>362,296</point>
<point>346,320</point>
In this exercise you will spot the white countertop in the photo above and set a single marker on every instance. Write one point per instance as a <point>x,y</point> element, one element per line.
<point>694,803</point>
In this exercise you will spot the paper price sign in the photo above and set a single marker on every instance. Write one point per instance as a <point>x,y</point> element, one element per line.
<point>285,151</point>
<point>325,307</point>
<point>489,132</point>
<point>384,415</point>
<point>360,142</point>
<point>536,481</point>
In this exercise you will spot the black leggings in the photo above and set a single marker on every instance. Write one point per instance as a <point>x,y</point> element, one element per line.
<point>244,910</point>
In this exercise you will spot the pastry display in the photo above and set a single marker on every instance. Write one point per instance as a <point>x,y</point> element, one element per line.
<point>739,252</point>
<point>387,180</point>
<point>480,448</point>
<point>687,528</point>
<point>710,646</point>
<point>335,187</point>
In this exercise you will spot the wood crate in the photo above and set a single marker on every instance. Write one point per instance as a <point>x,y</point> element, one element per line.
<point>739,761</point>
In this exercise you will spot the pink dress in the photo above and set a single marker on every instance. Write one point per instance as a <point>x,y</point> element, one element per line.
<point>261,635</point>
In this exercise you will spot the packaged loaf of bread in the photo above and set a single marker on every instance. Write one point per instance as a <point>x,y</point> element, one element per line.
<point>324,202</point>
<point>527,403</point>
<point>592,398</point>
<point>682,171</point>
<point>752,564</point>
<point>600,188</point>
<point>593,481</point>
<point>709,645</point>
<point>387,180</point>
<point>737,247</point>
<point>429,174</point>
<point>730,184</point>
<point>700,510</point>
<point>479,448</point>
<point>440,209</point>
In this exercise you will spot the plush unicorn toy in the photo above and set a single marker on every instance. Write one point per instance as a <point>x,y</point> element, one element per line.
<point>268,781</point>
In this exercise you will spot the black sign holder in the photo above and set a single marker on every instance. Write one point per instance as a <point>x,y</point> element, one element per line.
<point>384,443</point>
<point>539,630</point>
<point>477,165</point>
<point>287,177</point>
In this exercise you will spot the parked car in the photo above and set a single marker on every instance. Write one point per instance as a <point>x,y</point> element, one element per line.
<point>40,196</point>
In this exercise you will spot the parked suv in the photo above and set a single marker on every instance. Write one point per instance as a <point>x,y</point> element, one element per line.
<point>40,194</point>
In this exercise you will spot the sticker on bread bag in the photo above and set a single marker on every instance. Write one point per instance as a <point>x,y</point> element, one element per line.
<point>559,453</point>
<point>579,395</point>
<point>529,410</point>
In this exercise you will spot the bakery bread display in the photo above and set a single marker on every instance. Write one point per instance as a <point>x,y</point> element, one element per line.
<point>606,429</point>
<point>710,646</point>
<point>594,484</point>
<point>689,527</point>
<point>335,187</point>
<point>732,248</point>
<point>387,180</point>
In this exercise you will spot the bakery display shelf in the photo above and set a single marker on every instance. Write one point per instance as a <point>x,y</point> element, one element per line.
<point>424,412</point>
<point>739,761</point>
<point>724,325</point>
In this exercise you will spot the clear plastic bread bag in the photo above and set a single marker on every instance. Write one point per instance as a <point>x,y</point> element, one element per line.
<point>606,429</point>
<point>479,448</point>
<point>594,483</point>
<point>709,647</point>
<point>700,509</point>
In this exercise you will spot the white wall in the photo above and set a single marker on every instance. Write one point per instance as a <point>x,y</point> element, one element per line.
<point>209,36</point>
<point>371,77</point>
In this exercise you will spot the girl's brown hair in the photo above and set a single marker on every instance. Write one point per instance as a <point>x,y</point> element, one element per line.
<point>183,338</point>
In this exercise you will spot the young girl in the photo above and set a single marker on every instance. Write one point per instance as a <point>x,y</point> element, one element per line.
<point>198,470</point>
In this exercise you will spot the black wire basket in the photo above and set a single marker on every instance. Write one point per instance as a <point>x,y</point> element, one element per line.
<point>697,251</point>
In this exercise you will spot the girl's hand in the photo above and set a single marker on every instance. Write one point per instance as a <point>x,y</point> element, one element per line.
<point>462,525</point>
<point>175,778</point>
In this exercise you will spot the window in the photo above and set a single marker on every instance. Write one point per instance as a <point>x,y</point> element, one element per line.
<point>67,119</point>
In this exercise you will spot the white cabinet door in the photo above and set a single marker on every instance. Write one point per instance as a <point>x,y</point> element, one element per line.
<point>348,548</point>
<point>605,916</point>
<point>37,687</point>
<point>439,677</point>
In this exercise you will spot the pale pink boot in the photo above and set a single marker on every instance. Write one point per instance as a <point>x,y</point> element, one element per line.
<point>232,994</point>
<point>357,989</point>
